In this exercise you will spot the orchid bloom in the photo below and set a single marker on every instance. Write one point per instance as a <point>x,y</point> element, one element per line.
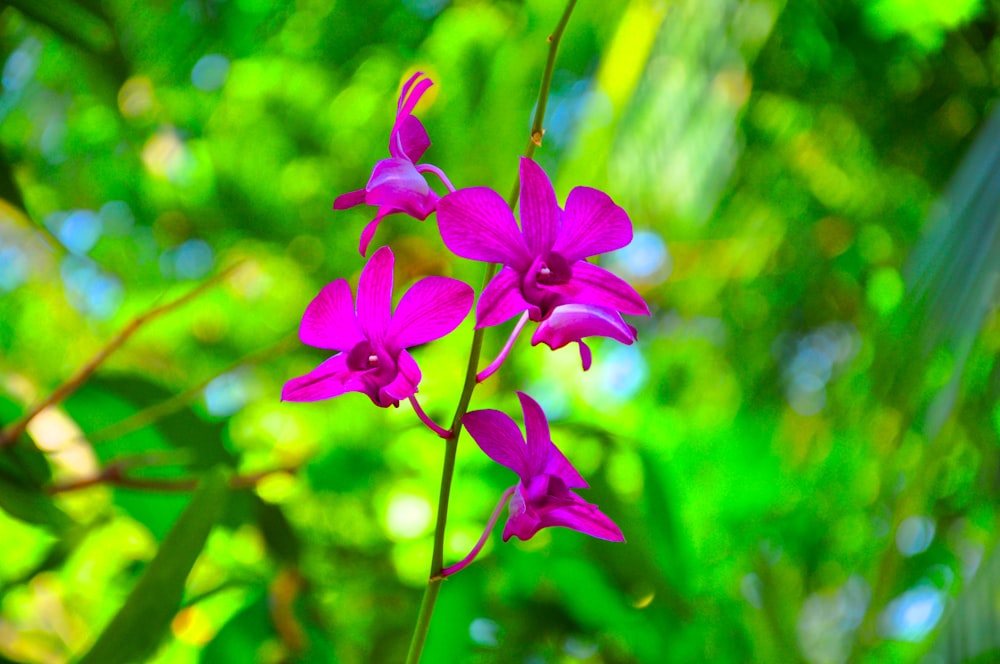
<point>544,268</point>
<point>542,498</point>
<point>373,340</point>
<point>543,260</point>
<point>397,184</point>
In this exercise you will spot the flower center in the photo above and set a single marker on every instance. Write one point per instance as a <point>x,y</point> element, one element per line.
<point>553,270</point>
<point>362,357</point>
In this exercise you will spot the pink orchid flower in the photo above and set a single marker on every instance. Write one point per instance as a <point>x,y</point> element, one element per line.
<point>544,271</point>
<point>542,498</point>
<point>397,184</point>
<point>373,339</point>
<point>543,259</point>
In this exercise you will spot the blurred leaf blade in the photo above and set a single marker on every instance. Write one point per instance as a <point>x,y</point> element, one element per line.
<point>140,625</point>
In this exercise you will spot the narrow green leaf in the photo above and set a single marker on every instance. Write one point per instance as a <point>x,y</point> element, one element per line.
<point>31,505</point>
<point>137,629</point>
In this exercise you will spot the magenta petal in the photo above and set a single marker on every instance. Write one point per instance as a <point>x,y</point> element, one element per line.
<point>375,295</point>
<point>369,231</point>
<point>406,90</point>
<point>501,299</point>
<point>408,101</point>
<point>330,379</point>
<point>573,322</point>
<point>498,436</point>
<point>592,224</point>
<point>543,455</point>
<point>410,140</point>
<point>396,184</point>
<point>593,285</point>
<point>476,224</point>
<point>583,517</point>
<point>329,321</point>
<point>404,385</point>
<point>349,200</point>
<point>539,208</point>
<point>430,309</point>
<point>536,429</point>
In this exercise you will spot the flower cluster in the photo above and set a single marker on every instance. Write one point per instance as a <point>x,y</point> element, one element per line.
<point>544,277</point>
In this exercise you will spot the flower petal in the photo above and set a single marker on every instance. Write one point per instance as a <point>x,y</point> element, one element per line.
<point>476,223</point>
<point>539,209</point>
<point>498,436</point>
<point>404,385</point>
<point>592,224</point>
<point>543,456</point>
<point>375,295</point>
<point>410,140</point>
<point>396,183</point>
<point>573,322</point>
<point>329,321</point>
<point>330,379</point>
<point>406,90</point>
<point>369,231</point>
<point>501,299</point>
<point>583,517</point>
<point>595,286</point>
<point>430,309</point>
<point>536,429</point>
<point>409,97</point>
<point>350,199</point>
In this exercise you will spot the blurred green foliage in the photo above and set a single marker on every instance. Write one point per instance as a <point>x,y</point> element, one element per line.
<point>801,449</point>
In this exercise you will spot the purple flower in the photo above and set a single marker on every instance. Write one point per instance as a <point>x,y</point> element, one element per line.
<point>543,259</point>
<point>373,340</point>
<point>542,499</point>
<point>573,322</point>
<point>397,183</point>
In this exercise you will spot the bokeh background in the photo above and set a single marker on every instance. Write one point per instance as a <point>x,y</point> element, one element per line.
<point>802,448</point>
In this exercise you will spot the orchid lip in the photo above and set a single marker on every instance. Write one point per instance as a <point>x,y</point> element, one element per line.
<point>554,270</point>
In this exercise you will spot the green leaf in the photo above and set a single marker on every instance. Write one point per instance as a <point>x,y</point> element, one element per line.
<point>137,629</point>
<point>241,638</point>
<point>31,505</point>
<point>282,541</point>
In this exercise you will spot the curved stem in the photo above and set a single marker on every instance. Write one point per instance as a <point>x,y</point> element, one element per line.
<point>495,364</point>
<point>451,444</point>
<point>444,433</point>
<point>451,569</point>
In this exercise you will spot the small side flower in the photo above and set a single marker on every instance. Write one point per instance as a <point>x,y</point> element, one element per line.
<point>397,184</point>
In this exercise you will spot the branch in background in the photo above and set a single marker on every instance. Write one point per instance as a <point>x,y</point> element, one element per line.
<point>11,433</point>
<point>175,403</point>
<point>114,475</point>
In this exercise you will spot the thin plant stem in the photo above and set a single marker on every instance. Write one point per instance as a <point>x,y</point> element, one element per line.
<point>114,475</point>
<point>71,384</point>
<point>431,424</point>
<point>451,569</point>
<point>175,403</point>
<point>433,587</point>
<point>495,364</point>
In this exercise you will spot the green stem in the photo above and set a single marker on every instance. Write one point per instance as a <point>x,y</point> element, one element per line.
<point>451,444</point>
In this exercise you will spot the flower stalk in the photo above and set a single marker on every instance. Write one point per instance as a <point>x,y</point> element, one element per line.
<point>451,444</point>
